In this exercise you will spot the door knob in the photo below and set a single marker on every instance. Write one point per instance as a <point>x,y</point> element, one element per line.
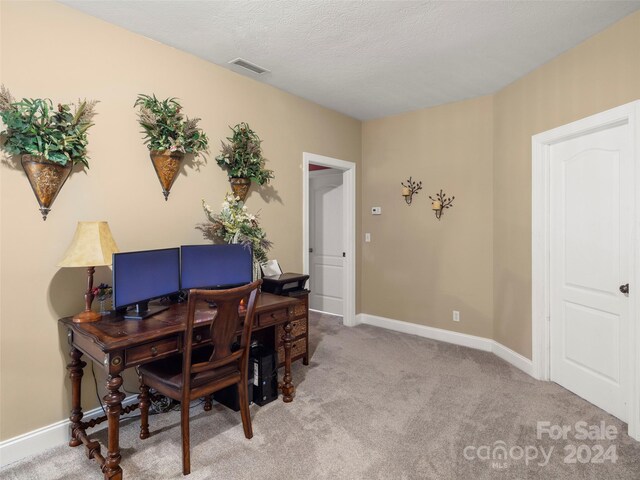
<point>624,288</point>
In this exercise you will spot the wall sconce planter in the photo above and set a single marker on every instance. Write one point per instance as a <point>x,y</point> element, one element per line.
<point>167,166</point>
<point>410,189</point>
<point>441,202</point>
<point>240,187</point>
<point>169,135</point>
<point>46,179</point>
<point>50,140</point>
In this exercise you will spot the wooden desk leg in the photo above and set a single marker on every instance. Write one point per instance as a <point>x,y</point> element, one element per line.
<point>144,402</point>
<point>288,390</point>
<point>75,368</point>
<point>113,399</point>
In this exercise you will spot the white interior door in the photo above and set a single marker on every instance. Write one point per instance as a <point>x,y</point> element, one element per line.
<point>326,244</point>
<point>590,248</point>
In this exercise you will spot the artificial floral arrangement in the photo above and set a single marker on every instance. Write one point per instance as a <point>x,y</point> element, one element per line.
<point>167,128</point>
<point>50,140</point>
<point>242,156</point>
<point>234,224</point>
<point>35,127</point>
<point>102,291</point>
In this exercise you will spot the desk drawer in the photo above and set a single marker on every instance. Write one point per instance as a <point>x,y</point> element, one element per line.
<point>298,328</point>
<point>266,319</point>
<point>152,350</point>
<point>298,348</point>
<point>300,310</point>
<point>201,335</point>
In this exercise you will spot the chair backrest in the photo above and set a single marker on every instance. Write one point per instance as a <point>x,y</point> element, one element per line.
<point>224,327</point>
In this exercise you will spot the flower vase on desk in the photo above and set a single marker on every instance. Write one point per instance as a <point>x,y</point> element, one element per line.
<point>105,307</point>
<point>103,293</point>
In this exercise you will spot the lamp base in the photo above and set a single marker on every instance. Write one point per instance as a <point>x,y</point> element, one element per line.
<point>86,317</point>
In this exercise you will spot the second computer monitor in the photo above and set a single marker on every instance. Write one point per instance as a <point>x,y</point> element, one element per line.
<point>215,266</point>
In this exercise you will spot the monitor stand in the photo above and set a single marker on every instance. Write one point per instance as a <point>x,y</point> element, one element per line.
<point>143,310</point>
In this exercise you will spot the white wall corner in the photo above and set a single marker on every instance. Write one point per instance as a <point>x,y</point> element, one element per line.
<point>42,439</point>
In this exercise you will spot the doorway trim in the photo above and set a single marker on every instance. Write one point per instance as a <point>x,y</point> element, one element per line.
<point>540,245</point>
<point>348,228</point>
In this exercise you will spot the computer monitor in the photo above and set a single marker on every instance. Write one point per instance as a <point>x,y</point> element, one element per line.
<point>215,266</point>
<point>142,276</point>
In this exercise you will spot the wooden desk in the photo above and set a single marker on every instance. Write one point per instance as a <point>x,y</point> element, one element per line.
<point>117,344</point>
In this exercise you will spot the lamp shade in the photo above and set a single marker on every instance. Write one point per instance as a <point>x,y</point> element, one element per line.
<point>92,246</point>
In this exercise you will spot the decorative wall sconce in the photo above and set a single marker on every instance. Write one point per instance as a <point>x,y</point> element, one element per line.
<point>410,189</point>
<point>439,203</point>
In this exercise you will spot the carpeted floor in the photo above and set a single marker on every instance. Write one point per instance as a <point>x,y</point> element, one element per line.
<point>375,404</point>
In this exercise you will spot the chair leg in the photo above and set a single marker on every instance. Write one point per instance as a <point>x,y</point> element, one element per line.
<point>143,398</point>
<point>208,403</point>
<point>244,408</point>
<point>186,446</point>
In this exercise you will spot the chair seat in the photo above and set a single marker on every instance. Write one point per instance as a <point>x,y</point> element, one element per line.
<point>169,370</point>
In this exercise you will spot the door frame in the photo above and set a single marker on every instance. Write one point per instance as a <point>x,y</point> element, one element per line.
<point>540,245</point>
<point>348,226</point>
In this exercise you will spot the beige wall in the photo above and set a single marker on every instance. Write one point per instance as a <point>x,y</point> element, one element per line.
<point>599,74</point>
<point>49,50</point>
<point>477,259</point>
<point>416,268</point>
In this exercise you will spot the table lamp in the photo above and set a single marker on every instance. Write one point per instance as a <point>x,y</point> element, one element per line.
<point>91,247</point>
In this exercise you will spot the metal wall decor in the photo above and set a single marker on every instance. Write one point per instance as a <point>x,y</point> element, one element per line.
<point>441,202</point>
<point>410,189</point>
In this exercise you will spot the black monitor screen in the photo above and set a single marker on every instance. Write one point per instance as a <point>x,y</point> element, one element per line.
<point>142,276</point>
<point>215,266</point>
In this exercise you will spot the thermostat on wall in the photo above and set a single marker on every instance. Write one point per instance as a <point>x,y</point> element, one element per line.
<point>376,210</point>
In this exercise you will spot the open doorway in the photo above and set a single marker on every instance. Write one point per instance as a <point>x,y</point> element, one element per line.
<point>329,234</point>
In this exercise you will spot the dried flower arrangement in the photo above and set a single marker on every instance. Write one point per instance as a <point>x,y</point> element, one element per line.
<point>234,224</point>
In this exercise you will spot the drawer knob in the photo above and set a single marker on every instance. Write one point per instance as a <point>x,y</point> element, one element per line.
<point>154,350</point>
<point>198,337</point>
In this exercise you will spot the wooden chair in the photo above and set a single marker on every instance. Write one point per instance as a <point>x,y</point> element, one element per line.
<point>198,373</point>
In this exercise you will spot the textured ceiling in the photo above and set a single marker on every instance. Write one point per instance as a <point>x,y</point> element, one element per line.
<point>370,59</point>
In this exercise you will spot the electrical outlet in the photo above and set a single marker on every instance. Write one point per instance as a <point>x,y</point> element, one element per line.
<point>367,237</point>
<point>456,316</point>
<point>376,210</point>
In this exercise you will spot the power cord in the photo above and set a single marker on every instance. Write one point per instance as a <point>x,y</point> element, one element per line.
<point>95,382</point>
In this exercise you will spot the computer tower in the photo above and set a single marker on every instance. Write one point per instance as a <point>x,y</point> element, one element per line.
<point>228,396</point>
<point>265,374</point>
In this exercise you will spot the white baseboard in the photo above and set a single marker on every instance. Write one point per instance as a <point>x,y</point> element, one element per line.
<point>514,358</point>
<point>37,441</point>
<point>324,313</point>
<point>456,338</point>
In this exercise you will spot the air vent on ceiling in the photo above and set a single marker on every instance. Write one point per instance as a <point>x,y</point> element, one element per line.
<point>241,62</point>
